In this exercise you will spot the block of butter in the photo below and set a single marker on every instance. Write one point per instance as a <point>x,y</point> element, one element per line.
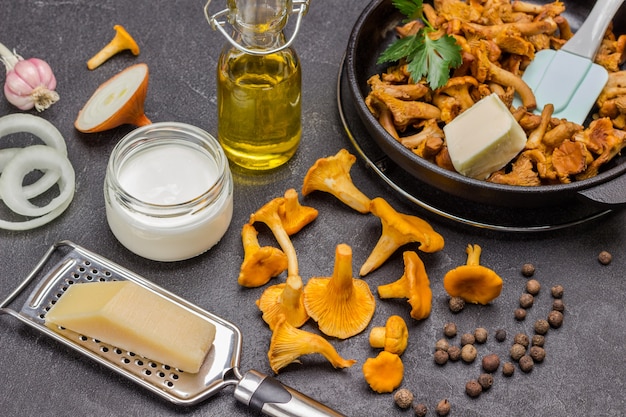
<point>130,317</point>
<point>484,138</point>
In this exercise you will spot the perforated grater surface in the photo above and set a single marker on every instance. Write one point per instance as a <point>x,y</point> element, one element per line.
<point>220,367</point>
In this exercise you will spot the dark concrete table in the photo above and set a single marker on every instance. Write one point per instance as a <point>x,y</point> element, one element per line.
<point>583,373</point>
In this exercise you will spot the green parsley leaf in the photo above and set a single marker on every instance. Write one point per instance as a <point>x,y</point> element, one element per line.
<point>425,57</point>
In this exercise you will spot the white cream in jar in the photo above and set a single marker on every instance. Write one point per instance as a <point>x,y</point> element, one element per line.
<point>168,191</point>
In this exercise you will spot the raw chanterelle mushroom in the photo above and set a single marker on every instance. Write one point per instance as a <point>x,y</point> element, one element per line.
<point>393,337</point>
<point>384,373</point>
<point>259,264</point>
<point>285,299</point>
<point>341,305</point>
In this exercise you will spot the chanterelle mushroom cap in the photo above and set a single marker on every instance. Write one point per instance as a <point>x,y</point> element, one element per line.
<point>472,282</point>
<point>341,305</point>
<point>393,337</point>
<point>289,343</point>
<point>414,285</point>
<point>332,175</point>
<point>384,373</point>
<point>398,229</point>
<point>286,299</point>
<point>293,214</point>
<point>259,264</point>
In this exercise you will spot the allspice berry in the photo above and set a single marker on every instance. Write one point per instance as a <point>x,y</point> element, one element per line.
<point>542,326</point>
<point>526,300</point>
<point>517,351</point>
<point>449,329</point>
<point>538,340</point>
<point>468,353</point>
<point>508,369</point>
<point>491,362</point>
<point>520,314</point>
<point>537,353</point>
<point>420,410</point>
<point>403,398</point>
<point>456,304</point>
<point>500,335</point>
<point>480,335</point>
<point>557,291</point>
<point>533,286</point>
<point>442,344</point>
<point>443,407</point>
<point>558,305</point>
<point>522,339</point>
<point>454,353</point>
<point>485,381</point>
<point>467,339</point>
<point>605,257</point>
<point>441,357</point>
<point>526,363</point>
<point>528,270</point>
<point>555,319</point>
<point>473,388</point>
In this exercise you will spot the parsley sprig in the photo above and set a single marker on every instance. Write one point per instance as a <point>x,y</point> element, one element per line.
<point>425,57</point>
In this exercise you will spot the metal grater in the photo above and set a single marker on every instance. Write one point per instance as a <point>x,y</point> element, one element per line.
<point>220,367</point>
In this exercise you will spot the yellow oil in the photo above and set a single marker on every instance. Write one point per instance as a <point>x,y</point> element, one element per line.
<point>259,108</point>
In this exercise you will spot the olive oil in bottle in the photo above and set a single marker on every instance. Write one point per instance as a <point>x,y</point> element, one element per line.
<point>259,108</point>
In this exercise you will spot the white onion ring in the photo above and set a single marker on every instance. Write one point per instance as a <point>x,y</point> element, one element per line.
<point>37,188</point>
<point>26,160</point>
<point>35,125</point>
<point>37,221</point>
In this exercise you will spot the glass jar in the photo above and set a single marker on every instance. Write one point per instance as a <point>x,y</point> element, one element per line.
<point>259,83</point>
<point>168,191</point>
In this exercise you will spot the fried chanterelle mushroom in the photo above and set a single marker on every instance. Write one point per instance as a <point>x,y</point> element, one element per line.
<point>473,282</point>
<point>341,305</point>
<point>289,343</point>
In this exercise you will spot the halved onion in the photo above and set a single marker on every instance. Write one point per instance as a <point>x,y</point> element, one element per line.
<point>30,158</point>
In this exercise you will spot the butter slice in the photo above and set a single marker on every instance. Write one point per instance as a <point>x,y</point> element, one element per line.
<point>130,317</point>
<point>484,138</point>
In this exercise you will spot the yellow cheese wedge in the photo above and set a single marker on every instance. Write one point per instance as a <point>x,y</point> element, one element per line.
<point>128,316</point>
<point>484,138</point>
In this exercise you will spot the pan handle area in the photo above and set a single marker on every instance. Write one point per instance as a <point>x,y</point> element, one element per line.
<point>611,193</point>
<point>267,395</point>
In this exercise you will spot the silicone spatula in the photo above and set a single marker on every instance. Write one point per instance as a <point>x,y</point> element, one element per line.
<point>568,78</point>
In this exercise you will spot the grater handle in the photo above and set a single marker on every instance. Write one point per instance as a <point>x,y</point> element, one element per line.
<point>269,396</point>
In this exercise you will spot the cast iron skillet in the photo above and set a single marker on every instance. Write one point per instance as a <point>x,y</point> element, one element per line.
<point>374,31</point>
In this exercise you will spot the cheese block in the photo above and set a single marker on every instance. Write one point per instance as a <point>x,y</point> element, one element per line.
<point>484,138</point>
<point>130,317</point>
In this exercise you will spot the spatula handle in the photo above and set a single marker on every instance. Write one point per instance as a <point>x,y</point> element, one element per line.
<point>586,41</point>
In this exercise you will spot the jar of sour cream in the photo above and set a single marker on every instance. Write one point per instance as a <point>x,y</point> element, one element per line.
<point>168,191</point>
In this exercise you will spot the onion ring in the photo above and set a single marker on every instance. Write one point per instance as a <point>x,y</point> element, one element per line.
<point>35,125</point>
<point>26,160</point>
<point>37,188</point>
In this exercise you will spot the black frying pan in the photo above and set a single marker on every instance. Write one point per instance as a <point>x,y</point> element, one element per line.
<point>374,31</point>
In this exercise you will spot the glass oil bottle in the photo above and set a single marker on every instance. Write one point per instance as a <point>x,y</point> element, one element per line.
<point>259,83</point>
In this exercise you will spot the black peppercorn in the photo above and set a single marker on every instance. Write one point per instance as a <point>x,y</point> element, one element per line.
<point>485,381</point>
<point>491,362</point>
<point>605,257</point>
<point>520,314</point>
<point>522,339</point>
<point>557,291</point>
<point>528,270</point>
<point>517,351</point>
<point>533,286</point>
<point>480,335</point>
<point>500,335</point>
<point>555,319</point>
<point>526,300</point>
<point>537,353</point>
<point>542,326</point>
<point>420,410</point>
<point>558,305</point>
<point>467,339</point>
<point>456,304</point>
<point>508,369</point>
<point>441,357</point>
<point>526,363</point>
<point>454,353</point>
<point>443,407</point>
<point>473,388</point>
<point>449,329</point>
<point>538,340</point>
